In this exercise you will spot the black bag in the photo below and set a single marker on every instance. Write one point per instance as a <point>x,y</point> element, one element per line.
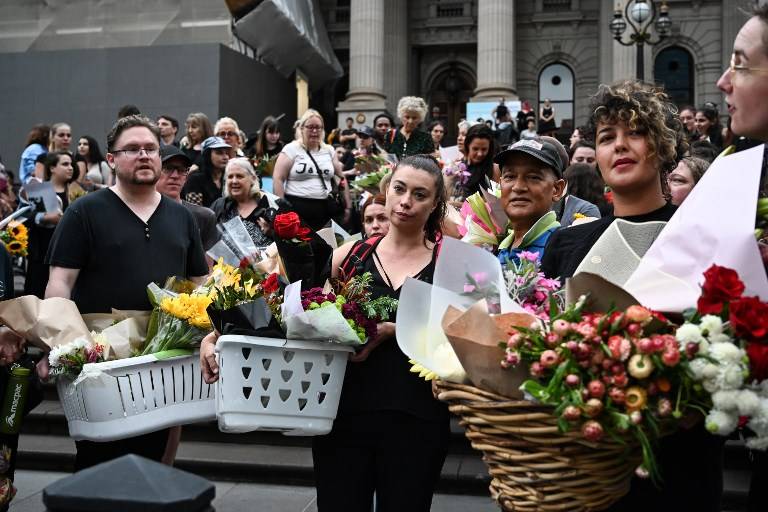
<point>336,203</point>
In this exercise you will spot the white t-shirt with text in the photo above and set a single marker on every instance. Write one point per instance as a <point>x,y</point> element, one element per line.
<point>302,178</point>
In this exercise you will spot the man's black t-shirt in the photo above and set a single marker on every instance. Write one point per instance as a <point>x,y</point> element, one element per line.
<point>119,255</point>
<point>567,247</point>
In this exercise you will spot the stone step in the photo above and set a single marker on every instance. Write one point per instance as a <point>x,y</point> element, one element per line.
<point>285,465</point>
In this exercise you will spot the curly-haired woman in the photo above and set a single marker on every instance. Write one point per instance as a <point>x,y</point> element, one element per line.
<point>638,137</point>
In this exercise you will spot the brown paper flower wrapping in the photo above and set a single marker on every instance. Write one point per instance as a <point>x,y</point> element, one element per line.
<point>475,336</point>
<point>44,323</point>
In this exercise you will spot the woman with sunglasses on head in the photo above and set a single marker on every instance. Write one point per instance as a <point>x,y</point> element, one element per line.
<point>639,139</point>
<point>228,129</point>
<point>305,172</point>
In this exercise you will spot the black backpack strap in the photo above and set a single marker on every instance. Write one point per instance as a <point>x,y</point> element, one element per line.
<point>353,263</point>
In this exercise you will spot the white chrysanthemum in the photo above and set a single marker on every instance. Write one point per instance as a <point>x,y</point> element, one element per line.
<point>721,423</point>
<point>688,333</point>
<point>720,338</point>
<point>697,367</point>
<point>727,400</point>
<point>748,403</point>
<point>54,355</point>
<point>758,423</point>
<point>711,324</point>
<point>730,377</point>
<point>726,352</point>
<point>710,370</point>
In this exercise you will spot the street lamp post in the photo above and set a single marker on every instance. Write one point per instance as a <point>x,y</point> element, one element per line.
<point>641,14</point>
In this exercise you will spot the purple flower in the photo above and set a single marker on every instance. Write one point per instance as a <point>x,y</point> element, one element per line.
<point>529,256</point>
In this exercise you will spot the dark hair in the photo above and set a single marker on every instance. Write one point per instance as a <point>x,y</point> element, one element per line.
<point>39,134</point>
<point>349,119</point>
<point>433,124</point>
<point>128,110</point>
<point>713,116</point>
<point>383,114</point>
<point>646,108</point>
<point>52,160</point>
<point>580,144</point>
<point>269,125</point>
<point>124,123</point>
<point>484,168</point>
<point>586,183</point>
<point>428,164</point>
<point>174,122</point>
<point>704,149</point>
<point>380,199</point>
<point>94,155</point>
<point>687,107</point>
<point>761,12</point>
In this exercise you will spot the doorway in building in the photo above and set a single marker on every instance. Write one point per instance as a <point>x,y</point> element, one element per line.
<point>556,84</point>
<point>673,68</point>
<point>450,90</point>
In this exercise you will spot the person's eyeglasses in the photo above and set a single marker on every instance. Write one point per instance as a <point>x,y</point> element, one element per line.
<point>180,169</point>
<point>733,68</point>
<point>227,134</point>
<point>313,128</point>
<point>133,153</point>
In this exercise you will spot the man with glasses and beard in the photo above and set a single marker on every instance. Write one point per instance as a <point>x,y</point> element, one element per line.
<point>172,178</point>
<point>112,243</point>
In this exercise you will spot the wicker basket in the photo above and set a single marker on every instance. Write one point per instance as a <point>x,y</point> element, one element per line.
<point>534,467</point>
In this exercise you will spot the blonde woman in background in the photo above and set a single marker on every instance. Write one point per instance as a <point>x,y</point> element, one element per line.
<point>242,197</point>
<point>304,174</point>
<point>228,129</point>
<point>198,129</point>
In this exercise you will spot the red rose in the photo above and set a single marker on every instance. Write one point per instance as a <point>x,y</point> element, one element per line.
<point>287,225</point>
<point>244,263</point>
<point>721,285</point>
<point>749,319</point>
<point>758,360</point>
<point>270,284</point>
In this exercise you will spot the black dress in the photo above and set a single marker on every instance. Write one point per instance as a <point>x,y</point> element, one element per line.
<point>390,434</point>
<point>40,237</point>
<point>418,143</point>
<point>546,126</point>
<point>691,461</point>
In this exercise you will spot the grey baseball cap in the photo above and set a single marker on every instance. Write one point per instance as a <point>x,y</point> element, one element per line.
<point>545,150</point>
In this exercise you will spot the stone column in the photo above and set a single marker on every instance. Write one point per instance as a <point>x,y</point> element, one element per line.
<point>366,62</point>
<point>495,50</point>
<point>606,43</point>
<point>624,61</point>
<point>397,52</point>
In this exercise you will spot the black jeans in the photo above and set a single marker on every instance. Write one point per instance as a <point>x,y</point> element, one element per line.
<point>392,453</point>
<point>90,453</point>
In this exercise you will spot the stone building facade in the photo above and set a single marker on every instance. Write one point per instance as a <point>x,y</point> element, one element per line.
<point>454,51</point>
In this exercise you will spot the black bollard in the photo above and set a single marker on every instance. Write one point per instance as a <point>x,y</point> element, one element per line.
<point>130,484</point>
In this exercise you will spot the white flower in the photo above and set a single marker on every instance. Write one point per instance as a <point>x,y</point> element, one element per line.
<point>719,338</point>
<point>757,443</point>
<point>726,352</point>
<point>730,377</point>
<point>726,400</point>
<point>748,403</point>
<point>697,367</point>
<point>54,355</point>
<point>711,324</point>
<point>721,423</point>
<point>710,370</point>
<point>688,333</point>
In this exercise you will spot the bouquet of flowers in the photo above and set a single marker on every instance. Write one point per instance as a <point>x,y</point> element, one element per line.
<point>620,373</point>
<point>483,221</point>
<point>369,164</point>
<point>264,166</point>
<point>728,333</point>
<point>303,252</point>
<point>342,311</point>
<point>178,321</point>
<point>67,360</point>
<point>15,237</point>
<point>527,285</point>
<point>241,298</point>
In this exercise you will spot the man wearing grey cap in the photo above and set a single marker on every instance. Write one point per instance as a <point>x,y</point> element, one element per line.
<point>173,176</point>
<point>531,182</point>
<point>204,186</point>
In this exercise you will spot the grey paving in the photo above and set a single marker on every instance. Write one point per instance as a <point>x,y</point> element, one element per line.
<point>237,497</point>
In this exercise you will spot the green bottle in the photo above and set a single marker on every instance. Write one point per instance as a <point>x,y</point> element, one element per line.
<point>14,400</point>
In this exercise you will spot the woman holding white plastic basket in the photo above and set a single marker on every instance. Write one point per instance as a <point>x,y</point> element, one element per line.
<point>390,436</point>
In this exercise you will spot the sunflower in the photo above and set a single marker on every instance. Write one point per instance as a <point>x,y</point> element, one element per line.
<point>16,248</point>
<point>18,230</point>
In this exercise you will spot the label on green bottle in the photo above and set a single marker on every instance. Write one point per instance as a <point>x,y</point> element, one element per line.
<point>14,401</point>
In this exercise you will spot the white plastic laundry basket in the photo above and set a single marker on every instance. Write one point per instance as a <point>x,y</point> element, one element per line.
<point>275,384</point>
<point>134,396</point>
